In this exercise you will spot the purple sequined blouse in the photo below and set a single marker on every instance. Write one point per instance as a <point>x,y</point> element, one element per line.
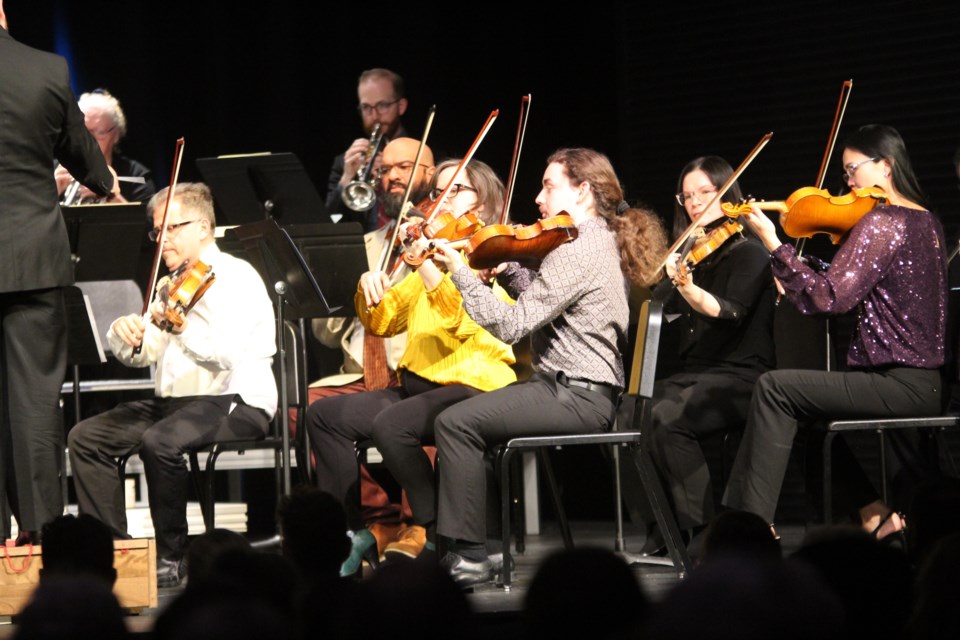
<point>892,268</point>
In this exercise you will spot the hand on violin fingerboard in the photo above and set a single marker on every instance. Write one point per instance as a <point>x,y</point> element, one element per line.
<point>129,329</point>
<point>448,257</point>
<point>167,317</point>
<point>763,227</point>
<point>374,285</point>
<point>673,270</point>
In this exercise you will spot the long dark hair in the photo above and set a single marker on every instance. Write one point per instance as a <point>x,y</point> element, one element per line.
<point>718,171</point>
<point>881,141</point>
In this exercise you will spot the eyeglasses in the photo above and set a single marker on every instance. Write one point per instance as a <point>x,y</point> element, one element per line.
<point>381,107</point>
<point>700,196</point>
<point>851,169</point>
<point>154,234</point>
<point>403,168</point>
<point>452,193</point>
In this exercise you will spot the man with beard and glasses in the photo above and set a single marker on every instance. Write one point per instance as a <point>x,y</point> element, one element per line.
<point>381,101</point>
<point>370,362</point>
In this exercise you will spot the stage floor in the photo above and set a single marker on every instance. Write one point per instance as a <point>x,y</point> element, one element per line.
<point>655,579</point>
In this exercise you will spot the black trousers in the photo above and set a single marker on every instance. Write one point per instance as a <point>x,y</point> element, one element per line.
<point>400,421</point>
<point>540,406</point>
<point>687,408</point>
<point>161,430</point>
<point>33,360</point>
<point>785,400</point>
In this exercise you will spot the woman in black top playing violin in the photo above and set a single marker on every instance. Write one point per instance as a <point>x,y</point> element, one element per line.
<point>726,322</point>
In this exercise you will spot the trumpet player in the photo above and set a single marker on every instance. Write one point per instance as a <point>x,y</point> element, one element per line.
<point>106,122</point>
<point>381,101</point>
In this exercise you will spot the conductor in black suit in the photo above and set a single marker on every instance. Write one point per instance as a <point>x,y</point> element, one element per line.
<point>39,121</point>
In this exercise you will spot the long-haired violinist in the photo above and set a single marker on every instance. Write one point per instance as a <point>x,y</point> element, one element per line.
<point>575,309</point>
<point>890,269</point>
<point>725,307</point>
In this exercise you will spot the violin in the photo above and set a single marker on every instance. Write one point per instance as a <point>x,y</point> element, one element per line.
<point>810,210</point>
<point>181,291</point>
<point>528,245</point>
<point>705,246</point>
<point>443,226</point>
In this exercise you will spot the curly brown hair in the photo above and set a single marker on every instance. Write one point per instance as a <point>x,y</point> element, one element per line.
<point>641,237</point>
<point>642,240</point>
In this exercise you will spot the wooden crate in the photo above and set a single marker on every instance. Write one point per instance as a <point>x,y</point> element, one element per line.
<point>134,560</point>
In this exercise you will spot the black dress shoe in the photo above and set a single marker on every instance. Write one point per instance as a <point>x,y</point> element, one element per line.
<point>467,573</point>
<point>27,537</point>
<point>168,573</point>
<point>654,545</point>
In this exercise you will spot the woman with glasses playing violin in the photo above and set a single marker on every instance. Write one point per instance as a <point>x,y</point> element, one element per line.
<point>726,306</point>
<point>891,268</point>
<point>448,358</point>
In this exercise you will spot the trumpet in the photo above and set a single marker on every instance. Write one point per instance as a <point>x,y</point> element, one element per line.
<point>361,192</point>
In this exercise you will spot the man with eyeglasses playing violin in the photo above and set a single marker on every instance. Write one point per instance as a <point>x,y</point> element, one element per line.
<point>381,101</point>
<point>214,381</point>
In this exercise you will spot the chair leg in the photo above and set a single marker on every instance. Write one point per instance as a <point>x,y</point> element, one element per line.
<point>503,466</point>
<point>945,448</point>
<point>544,458</point>
<point>828,477</point>
<point>207,498</point>
<point>517,503</point>
<point>883,467</point>
<point>661,510</point>
<point>196,476</point>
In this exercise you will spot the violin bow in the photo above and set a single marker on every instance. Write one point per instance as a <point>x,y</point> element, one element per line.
<point>460,167</point>
<point>465,160</point>
<point>405,205</point>
<point>845,90</point>
<point>726,187</point>
<point>525,103</point>
<point>158,254</point>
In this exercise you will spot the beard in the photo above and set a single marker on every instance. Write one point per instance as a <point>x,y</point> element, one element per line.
<point>392,201</point>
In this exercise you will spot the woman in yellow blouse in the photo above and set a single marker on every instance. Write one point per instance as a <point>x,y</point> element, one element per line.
<point>448,358</point>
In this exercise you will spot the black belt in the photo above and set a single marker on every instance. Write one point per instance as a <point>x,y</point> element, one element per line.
<point>608,390</point>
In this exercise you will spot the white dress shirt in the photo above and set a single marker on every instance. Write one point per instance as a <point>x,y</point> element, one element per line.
<point>227,346</point>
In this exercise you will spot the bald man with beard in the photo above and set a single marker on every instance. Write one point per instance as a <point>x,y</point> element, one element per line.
<point>382,517</point>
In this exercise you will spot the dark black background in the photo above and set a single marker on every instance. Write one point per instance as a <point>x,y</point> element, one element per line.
<point>650,85</point>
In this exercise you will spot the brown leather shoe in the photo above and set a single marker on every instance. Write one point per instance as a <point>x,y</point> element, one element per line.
<point>385,534</point>
<point>409,543</point>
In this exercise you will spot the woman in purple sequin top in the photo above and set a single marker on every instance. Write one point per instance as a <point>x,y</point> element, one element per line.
<point>891,268</point>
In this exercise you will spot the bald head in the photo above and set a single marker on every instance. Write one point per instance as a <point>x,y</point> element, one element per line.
<point>398,159</point>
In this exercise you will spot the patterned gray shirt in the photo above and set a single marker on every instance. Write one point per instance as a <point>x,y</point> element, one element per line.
<point>575,306</point>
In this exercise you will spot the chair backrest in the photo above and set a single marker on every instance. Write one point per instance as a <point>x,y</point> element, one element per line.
<point>110,300</point>
<point>644,369</point>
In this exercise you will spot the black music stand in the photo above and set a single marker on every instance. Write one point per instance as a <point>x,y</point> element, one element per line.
<point>105,239</point>
<point>274,255</point>
<point>248,188</point>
